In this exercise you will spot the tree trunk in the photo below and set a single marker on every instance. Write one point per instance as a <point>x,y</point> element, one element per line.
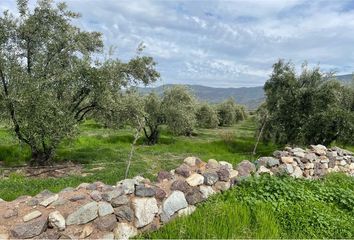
<point>153,137</point>
<point>40,158</point>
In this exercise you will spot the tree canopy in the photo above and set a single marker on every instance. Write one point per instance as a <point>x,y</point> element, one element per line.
<point>50,79</point>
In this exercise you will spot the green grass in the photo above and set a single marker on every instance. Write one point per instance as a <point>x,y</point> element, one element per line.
<point>96,146</point>
<point>270,207</point>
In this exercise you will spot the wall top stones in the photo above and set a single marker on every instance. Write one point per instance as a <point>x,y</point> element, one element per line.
<point>132,206</point>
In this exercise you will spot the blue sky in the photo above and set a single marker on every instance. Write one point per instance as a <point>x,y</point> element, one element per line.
<point>223,43</point>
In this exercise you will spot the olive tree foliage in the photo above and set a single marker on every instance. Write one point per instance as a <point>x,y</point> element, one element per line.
<point>309,108</point>
<point>154,117</point>
<point>207,116</point>
<point>230,113</point>
<point>179,108</point>
<point>49,79</point>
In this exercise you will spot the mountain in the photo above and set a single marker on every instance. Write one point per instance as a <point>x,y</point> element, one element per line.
<point>251,97</point>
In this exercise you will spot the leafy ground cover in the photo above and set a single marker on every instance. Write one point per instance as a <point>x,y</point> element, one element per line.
<point>270,207</point>
<point>99,147</point>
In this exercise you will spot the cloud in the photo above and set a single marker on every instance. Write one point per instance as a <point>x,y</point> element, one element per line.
<point>223,43</point>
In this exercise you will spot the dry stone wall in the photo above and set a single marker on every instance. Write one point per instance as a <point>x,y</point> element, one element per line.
<point>100,211</point>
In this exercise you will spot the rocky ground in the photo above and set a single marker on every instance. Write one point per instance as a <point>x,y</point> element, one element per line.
<point>96,210</point>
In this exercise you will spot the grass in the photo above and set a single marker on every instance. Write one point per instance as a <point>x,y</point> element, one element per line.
<point>270,207</point>
<point>98,146</point>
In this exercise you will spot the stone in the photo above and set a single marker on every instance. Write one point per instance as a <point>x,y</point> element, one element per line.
<point>309,165</point>
<point>59,202</point>
<point>49,200</point>
<point>160,194</point>
<point>128,185</point>
<point>279,154</point>
<point>289,169</point>
<point>206,191</point>
<point>245,168</point>
<point>45,193</point>
<point>68,189</point>
<point>108,196</point>
<point>164,175</point>
<point>86,231</point>
<point>176,201</point>
<point>222,186</point>
<point>32,215</point>
<point>91,187</point>
<point>195,180</point>
<point>183,170</point>
<point>77,197</point>
<point>32,202</point>
<point>145,210</point>
<point>4,236</point>
<point>96,195</point>
<point>142,191</point>
<point>319,149</point>
<point>29,229</point>
<point>287,160</point>
<point>267,162</point>
<point>309,157</point>
<point>223,174</point>
<point>84,214</point>
<point>2,200</point>
<point>106,188</point>
<point>104,208</point>
<point>119,201</point>
<point>181,185</point>
<point>108,236</point>
<point>124,231</point>
<point>82,185</point>
<point>212,164</point>
<point>124,213</point>
<point>264,170</point>
<point>297,172</point>
<point>226,164</point>
<point>186,211</point>
<point>210,178</point>
<point>191,161</point>
<point>106,223</point>
<point>299,154</point>
<point>194,197</point>
<point>9,213</point>
<point>233,173</point>
<point>56,220</point>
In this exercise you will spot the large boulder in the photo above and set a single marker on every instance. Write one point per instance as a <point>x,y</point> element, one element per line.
<point>210,178</point>
<point>195,180</point>
<point>84,214</point>
<point>104,208</point>
<point>194,197</point>
<point>145,210</point>
<point>181,185</point>
<point>184,170</point>
<point>56,220</point>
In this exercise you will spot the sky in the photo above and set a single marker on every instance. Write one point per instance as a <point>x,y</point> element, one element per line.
<point>223,43</point>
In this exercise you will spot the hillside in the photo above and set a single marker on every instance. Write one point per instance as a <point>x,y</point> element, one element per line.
<point>251,97</point>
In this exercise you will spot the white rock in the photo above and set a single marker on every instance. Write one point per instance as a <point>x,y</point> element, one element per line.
<point>124,231</point>
<point>319,149</point>
<point>297,172</point>
<point>83,185</point>
<point>186,211</point>
<point>212,163</point>
<point>342,163</point>
<point>49,200</point>
<point>263,170</point>
<point>195,180</point>
<point>309,165</point>
<point>2,200</point>
<point>57,220</point>
<point>289,168</point>
<point>351,166</point>
<point>139,179</point>
<point>206,191</point>
<point>104,208</point>
<point>226,164</point>
<point>190,161</point>
<point>145,210</point>
<point>4,236</point>
<point>173,203</point>
<point>128,185</point>
<point>32,215</point>
<point>233,173</point>
<point>108,236</point>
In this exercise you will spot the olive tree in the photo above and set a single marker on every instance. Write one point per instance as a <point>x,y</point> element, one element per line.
<point>309,108</point>
<point>49,79</point>
<point>207,116</point>
<point>230,113</point>
<point>154,117</point>
<point>179,108</point>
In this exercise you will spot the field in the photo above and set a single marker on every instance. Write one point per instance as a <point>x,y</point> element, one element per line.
<point>102,154</point>
<point>266,207</point>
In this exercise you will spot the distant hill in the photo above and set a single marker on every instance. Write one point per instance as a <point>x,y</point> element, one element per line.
<point>251,97</point>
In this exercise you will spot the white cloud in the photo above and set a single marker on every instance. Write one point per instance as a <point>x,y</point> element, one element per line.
<point>223,43</point>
